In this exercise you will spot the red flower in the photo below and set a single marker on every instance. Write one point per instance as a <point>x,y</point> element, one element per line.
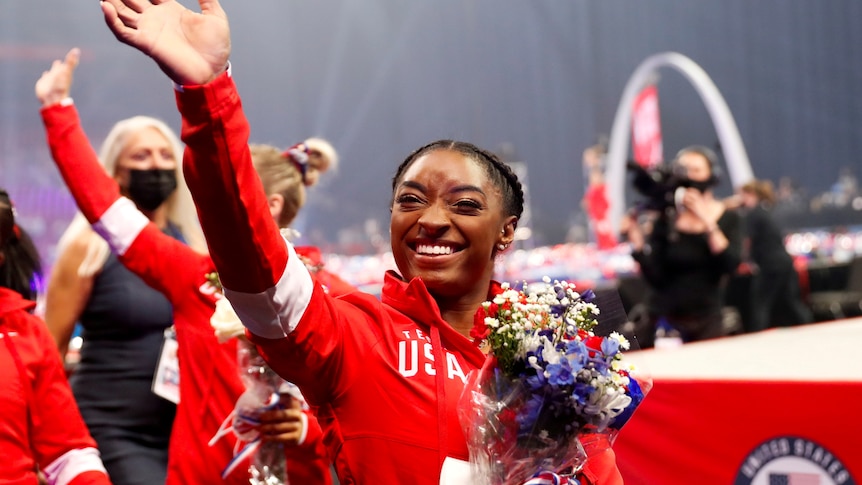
<point>480,331</point>
<point>594,344</point>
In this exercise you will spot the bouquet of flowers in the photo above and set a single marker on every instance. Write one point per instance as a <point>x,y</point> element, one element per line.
<point>263,391</point>
<point>548,381</point>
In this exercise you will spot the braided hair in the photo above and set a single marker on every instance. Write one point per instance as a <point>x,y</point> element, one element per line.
<point>21,268</point>
<point>501,175</point>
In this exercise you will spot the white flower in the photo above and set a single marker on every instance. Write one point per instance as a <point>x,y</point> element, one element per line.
<point>549,353</point>
<point>624,343</point>
<point>225,321</point>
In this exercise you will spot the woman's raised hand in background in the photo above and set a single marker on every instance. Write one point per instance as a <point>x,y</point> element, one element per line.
<point>55,83</point>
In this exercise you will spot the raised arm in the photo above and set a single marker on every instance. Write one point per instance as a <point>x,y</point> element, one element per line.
<point>193,49</point>
<point>268,286</point>
<point>142,247</point>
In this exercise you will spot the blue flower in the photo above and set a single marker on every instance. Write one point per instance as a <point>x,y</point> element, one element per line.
<point>560,374</point>
<point>610,347</point>
<point>637,395</point>
<point>557,310</point>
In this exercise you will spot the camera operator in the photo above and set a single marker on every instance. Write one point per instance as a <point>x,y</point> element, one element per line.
<point>692,246</point>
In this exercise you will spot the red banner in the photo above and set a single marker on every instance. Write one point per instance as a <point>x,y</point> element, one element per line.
<point>646,128</point>
<point>775,407</point>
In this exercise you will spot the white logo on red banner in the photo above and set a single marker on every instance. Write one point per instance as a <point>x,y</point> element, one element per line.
<point>791,460</point>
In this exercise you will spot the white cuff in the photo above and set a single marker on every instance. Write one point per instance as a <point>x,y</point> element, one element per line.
<point>276,312</point>
<point>73,463</point>
<point>120,225</point>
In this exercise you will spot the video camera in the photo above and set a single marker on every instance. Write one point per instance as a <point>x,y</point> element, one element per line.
<point>659,185</point>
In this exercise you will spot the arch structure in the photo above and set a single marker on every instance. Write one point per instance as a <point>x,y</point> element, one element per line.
<point>732,147</point>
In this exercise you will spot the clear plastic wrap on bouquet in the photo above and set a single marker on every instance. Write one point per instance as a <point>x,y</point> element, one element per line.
<point>512,436</point>
<point>268,465</point>
<point>549,386</point>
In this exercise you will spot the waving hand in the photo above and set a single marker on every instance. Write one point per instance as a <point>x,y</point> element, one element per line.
<point>190,47</point>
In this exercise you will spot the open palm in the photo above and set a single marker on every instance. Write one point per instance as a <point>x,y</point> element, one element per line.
<point>190,47</point>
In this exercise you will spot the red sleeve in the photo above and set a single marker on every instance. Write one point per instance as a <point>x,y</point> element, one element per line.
<point>166,264</point>
<point>314,433</point>
<point>309,462</point>
<point>91,186</point>
<point>90,478</point>
<point>156,257</point>
<point>297,327</point>
<point>244,241</point>
<point>57,426</point>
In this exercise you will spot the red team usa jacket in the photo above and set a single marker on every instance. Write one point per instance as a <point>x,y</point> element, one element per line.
<point>209,379</point>
<point>385,375</point>
<point>40,424</point>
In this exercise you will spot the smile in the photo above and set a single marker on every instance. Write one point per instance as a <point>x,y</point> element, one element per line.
<point>435,249</point>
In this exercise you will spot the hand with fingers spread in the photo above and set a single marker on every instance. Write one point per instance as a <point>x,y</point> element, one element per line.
<point>191,48</point>
<point>54,84</point>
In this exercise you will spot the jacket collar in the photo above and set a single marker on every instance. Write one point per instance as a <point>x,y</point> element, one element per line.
<point>413,300</point>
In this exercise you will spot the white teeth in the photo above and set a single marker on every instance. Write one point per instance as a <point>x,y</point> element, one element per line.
<point>428,249</point>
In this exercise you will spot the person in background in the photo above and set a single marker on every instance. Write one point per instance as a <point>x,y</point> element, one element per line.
<point>42,434</point>
<point>123,320</point>
<point>387,373</point>
<point>775,283</point>
<point>286,195</point>
<point>688,253</point>
<point>209,383</point>
<point>595,201</point>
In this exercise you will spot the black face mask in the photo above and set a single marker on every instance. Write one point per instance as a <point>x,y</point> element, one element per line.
<point>149,188</point>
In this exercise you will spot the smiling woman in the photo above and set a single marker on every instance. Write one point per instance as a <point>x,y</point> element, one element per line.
<point>386,375</point>
<point>449,220</point>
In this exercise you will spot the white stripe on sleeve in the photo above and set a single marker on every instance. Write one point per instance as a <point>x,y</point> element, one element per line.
<point>120,225</point>
<point>276,312</point>
<point>73,463</point>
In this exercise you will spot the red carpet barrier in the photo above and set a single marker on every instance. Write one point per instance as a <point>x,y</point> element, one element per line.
<point>780,407</point>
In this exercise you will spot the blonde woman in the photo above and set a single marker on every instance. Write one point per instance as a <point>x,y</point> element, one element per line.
<point>123,319</point>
